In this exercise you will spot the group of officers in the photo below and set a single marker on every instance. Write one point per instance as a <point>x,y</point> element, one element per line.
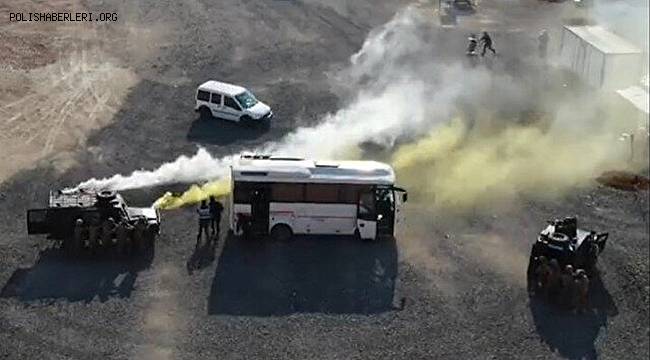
<point>565,287</point>
<point>486,41</point>
<point>108,235</point>
<point>209,219</point>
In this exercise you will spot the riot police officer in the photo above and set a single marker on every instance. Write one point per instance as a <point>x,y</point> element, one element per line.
<point>78,235</point>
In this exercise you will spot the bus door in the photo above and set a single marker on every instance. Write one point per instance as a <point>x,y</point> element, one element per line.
<point>385,207</point>
<point>260,211</point>
<point>367,215</point>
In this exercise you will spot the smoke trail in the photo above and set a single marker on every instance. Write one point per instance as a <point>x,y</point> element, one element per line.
<point>193,195</point>
<point>627,18</point>
<point>200,167</point>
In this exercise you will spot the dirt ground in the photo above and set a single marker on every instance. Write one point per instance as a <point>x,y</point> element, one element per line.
<point>91,100</point>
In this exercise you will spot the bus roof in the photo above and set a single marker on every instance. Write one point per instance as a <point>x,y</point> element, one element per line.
<point>282,169</point>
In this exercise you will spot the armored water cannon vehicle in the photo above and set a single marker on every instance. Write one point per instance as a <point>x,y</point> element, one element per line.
<point>77,210</point>
<point>466,6</point>
<point>564,241</point>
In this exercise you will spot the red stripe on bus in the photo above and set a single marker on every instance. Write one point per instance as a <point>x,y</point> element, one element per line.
<point>312,216</point>
<point>328,217</point>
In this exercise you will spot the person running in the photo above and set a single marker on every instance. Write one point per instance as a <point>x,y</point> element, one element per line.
<point>553,281</point>
<point>582,285</point>
<point>486,40</point>
<point>78,235</point>
<point>139,235</point>
<point>542,43</point>
<point>108,229</point>
<point>93,236</point>
<point>122,234</point>
<point>568,290</point>
<point>542,273</point>
<point>204,220</point>
<point>215,215</point>
<point>472,45</point>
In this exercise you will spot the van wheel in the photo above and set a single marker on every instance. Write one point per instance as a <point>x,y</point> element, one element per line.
<point>205,113</point>
<point>246,120</point>
<point>281,232</point>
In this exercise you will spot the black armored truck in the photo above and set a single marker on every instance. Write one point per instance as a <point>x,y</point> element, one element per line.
<point>83,219</point>
<point>564,241</point>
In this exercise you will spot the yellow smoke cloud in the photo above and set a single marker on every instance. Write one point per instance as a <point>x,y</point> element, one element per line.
<point>457,167</point>
<point>193,195</point>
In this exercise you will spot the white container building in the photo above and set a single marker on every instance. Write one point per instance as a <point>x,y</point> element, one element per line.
<point>602,59</point>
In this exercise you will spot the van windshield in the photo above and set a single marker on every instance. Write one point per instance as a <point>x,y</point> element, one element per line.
<point>246,99</point>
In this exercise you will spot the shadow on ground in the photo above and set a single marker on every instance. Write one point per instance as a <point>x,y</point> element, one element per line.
<point>321,274</point>
<point>202,257</point>
<point>222,132</point>
<point>57,275</point>
<point>575,335</point>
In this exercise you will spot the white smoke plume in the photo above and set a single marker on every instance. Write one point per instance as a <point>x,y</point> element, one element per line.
<point>627,18</point>
<point>392,100</point>
<point>200,167</point>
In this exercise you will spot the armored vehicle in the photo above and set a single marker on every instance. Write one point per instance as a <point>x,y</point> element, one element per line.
<point>463,6</point>
<point>446,13</point>
<point>563,241</point>
<point>72,213</point>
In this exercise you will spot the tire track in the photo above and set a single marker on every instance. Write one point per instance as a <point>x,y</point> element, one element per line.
<point>161,323</point>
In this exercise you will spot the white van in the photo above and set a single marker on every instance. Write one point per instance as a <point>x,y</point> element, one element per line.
<point>230,102</point>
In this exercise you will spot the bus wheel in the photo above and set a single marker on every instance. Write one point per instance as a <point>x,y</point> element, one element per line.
<point>281,232</point>
<point>357,236</point>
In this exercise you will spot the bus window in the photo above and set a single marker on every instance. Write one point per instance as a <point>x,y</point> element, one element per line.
<point>385,199</point>
<point>242,194</point>
<point>348,194</point>
<point>322,193</point>
<point>243,189</point>
<point>287,192</point>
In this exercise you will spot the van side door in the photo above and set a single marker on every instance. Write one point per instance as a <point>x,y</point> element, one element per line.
<point>231,109</point>
<point>215,105</point>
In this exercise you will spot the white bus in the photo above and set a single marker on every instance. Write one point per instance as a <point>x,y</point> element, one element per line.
<point>285,196</point>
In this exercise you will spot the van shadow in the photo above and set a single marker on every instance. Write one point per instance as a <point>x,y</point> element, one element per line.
<point>57,275</point>
<point>323,274</point>
<point>222,132</point>
<point>575,335</point>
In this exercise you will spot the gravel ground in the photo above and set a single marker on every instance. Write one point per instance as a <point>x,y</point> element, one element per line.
<point>451,286</point>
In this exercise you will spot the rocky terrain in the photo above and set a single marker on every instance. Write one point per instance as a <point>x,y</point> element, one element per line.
<point>119,97</point>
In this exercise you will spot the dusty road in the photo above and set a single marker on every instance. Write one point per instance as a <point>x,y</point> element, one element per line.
<point>450,286</point>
